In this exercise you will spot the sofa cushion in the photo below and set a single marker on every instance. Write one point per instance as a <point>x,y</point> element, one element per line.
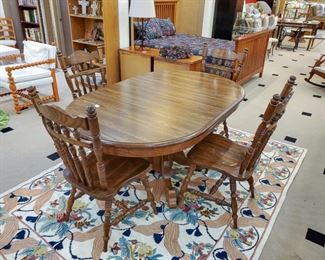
<point>36,51</point>
<point>25,84</point>
<point>167,27</point>
<point>26,74</point>
<point>151,28</point>
<point>8,42</point>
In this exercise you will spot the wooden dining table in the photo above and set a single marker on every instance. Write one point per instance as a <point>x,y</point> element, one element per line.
<point>159,114</point>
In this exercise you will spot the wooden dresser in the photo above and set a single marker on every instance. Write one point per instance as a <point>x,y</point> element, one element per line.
<point>134,62</point>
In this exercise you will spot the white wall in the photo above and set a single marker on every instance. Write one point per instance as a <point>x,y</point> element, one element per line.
<point>208,18</point>
<point>123,10</point>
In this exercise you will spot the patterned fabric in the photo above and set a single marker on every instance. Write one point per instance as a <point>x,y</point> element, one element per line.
<point>30,227</point>
<point>151,29</point>
<point>192,41</point>
<point>167,27</point>
<point>176,52</point>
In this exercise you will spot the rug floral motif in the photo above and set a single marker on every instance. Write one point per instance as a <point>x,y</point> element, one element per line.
<point>201,229</point>
<point>4,119</point>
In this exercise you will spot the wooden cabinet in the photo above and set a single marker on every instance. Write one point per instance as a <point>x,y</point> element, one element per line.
<point>134,62</point>
<point>83,26</point>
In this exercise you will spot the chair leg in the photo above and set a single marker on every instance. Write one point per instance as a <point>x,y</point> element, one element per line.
<point>16,101</point>
<point>54,86</point>
<point>251,186</point>
<point>225,129</point>
<point>185,184</point>
<point>107,222</point>
<point>149,194</point>
<point>234,206</point>
<point>70,202</point>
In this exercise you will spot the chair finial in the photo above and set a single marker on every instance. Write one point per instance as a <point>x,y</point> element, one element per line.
<point>91,111</point>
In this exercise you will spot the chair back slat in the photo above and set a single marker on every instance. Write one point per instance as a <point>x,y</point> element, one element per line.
<point>7,29</point>
<point>271,116</point>
<point>223,62</point>
<point>83,71</point>
<point>77,153</point>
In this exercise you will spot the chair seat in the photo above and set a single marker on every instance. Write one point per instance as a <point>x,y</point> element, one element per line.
<point>221,154</point>
<point>31,76</point>
<point>273,40</point>
<point>320,69</point>
<point>8,42</point>
<point>119,172</point>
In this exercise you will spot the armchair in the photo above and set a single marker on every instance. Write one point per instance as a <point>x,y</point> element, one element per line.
<point>35,67</point>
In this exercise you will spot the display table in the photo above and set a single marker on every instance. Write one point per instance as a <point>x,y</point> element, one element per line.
<point>300,26</point>
<point>134,62</point>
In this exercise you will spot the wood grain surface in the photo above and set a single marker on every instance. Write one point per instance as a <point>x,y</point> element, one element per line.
<point>160,113</point>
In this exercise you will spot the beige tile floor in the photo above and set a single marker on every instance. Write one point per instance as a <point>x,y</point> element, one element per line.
<point>23,151</point>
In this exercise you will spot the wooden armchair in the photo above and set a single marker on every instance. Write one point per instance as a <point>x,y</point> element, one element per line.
<point>224,63</point>
<point>7,32</point>
<point>318,69</point>
<point>83,71</point>
<point>233,160</point>
<point>35,67</point>
<point>88,169</point>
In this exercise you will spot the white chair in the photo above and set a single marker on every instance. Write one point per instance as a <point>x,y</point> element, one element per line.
<point>37,69</point>
<point>7,32</point>
<point>273,42</point>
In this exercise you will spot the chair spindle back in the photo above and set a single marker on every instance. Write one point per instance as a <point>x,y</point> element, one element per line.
<point>82,71</point>
<point>223,62</point>
<point>7,29</point>
<point>271,116</point>
<point>72,148</point>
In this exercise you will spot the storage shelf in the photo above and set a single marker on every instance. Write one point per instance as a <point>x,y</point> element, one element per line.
<point>27,6</point>
<point>30,23</point>
<point>87,16</point>
<point>83,41</point>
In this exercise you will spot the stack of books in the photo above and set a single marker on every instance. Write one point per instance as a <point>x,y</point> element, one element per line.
<point>31,16</point>
<point>34,34</point>
<point>27,2</point>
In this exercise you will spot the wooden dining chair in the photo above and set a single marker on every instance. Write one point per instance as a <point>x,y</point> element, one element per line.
<point>88,169</point>
<point>7,32</point>
<point>224,63</point>
<point>83,71</point>
<point>318,69</point>
<point>233,160</point>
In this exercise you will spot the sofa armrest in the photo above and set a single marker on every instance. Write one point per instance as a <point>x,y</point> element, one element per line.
<point>12,57</point>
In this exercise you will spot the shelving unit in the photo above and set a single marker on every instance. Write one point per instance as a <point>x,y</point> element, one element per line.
<point>31,19</point>
<point>82,26</point>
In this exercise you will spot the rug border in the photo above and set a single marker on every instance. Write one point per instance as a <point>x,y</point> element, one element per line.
<point>276,212</point>
<point>30,180</point>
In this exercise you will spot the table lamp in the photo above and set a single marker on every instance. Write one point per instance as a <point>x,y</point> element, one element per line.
<point>142,9</point>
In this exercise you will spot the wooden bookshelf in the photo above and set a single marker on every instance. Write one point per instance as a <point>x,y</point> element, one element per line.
<point>82,26</point>
<point>31,19</point>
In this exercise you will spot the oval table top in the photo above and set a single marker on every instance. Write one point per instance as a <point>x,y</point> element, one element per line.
<point>160,113</point>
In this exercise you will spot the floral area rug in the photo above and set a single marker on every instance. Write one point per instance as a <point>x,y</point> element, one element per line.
<point>30,229</point>
<point>4,119</point>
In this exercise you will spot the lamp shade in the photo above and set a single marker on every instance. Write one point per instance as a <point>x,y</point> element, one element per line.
<point>142,8</point>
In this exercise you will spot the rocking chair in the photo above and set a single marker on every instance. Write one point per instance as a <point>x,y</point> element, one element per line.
<point>319,70</point>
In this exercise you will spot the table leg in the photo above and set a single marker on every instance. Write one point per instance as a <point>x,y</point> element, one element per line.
<point>297,38</point>
<point>163,165</point>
